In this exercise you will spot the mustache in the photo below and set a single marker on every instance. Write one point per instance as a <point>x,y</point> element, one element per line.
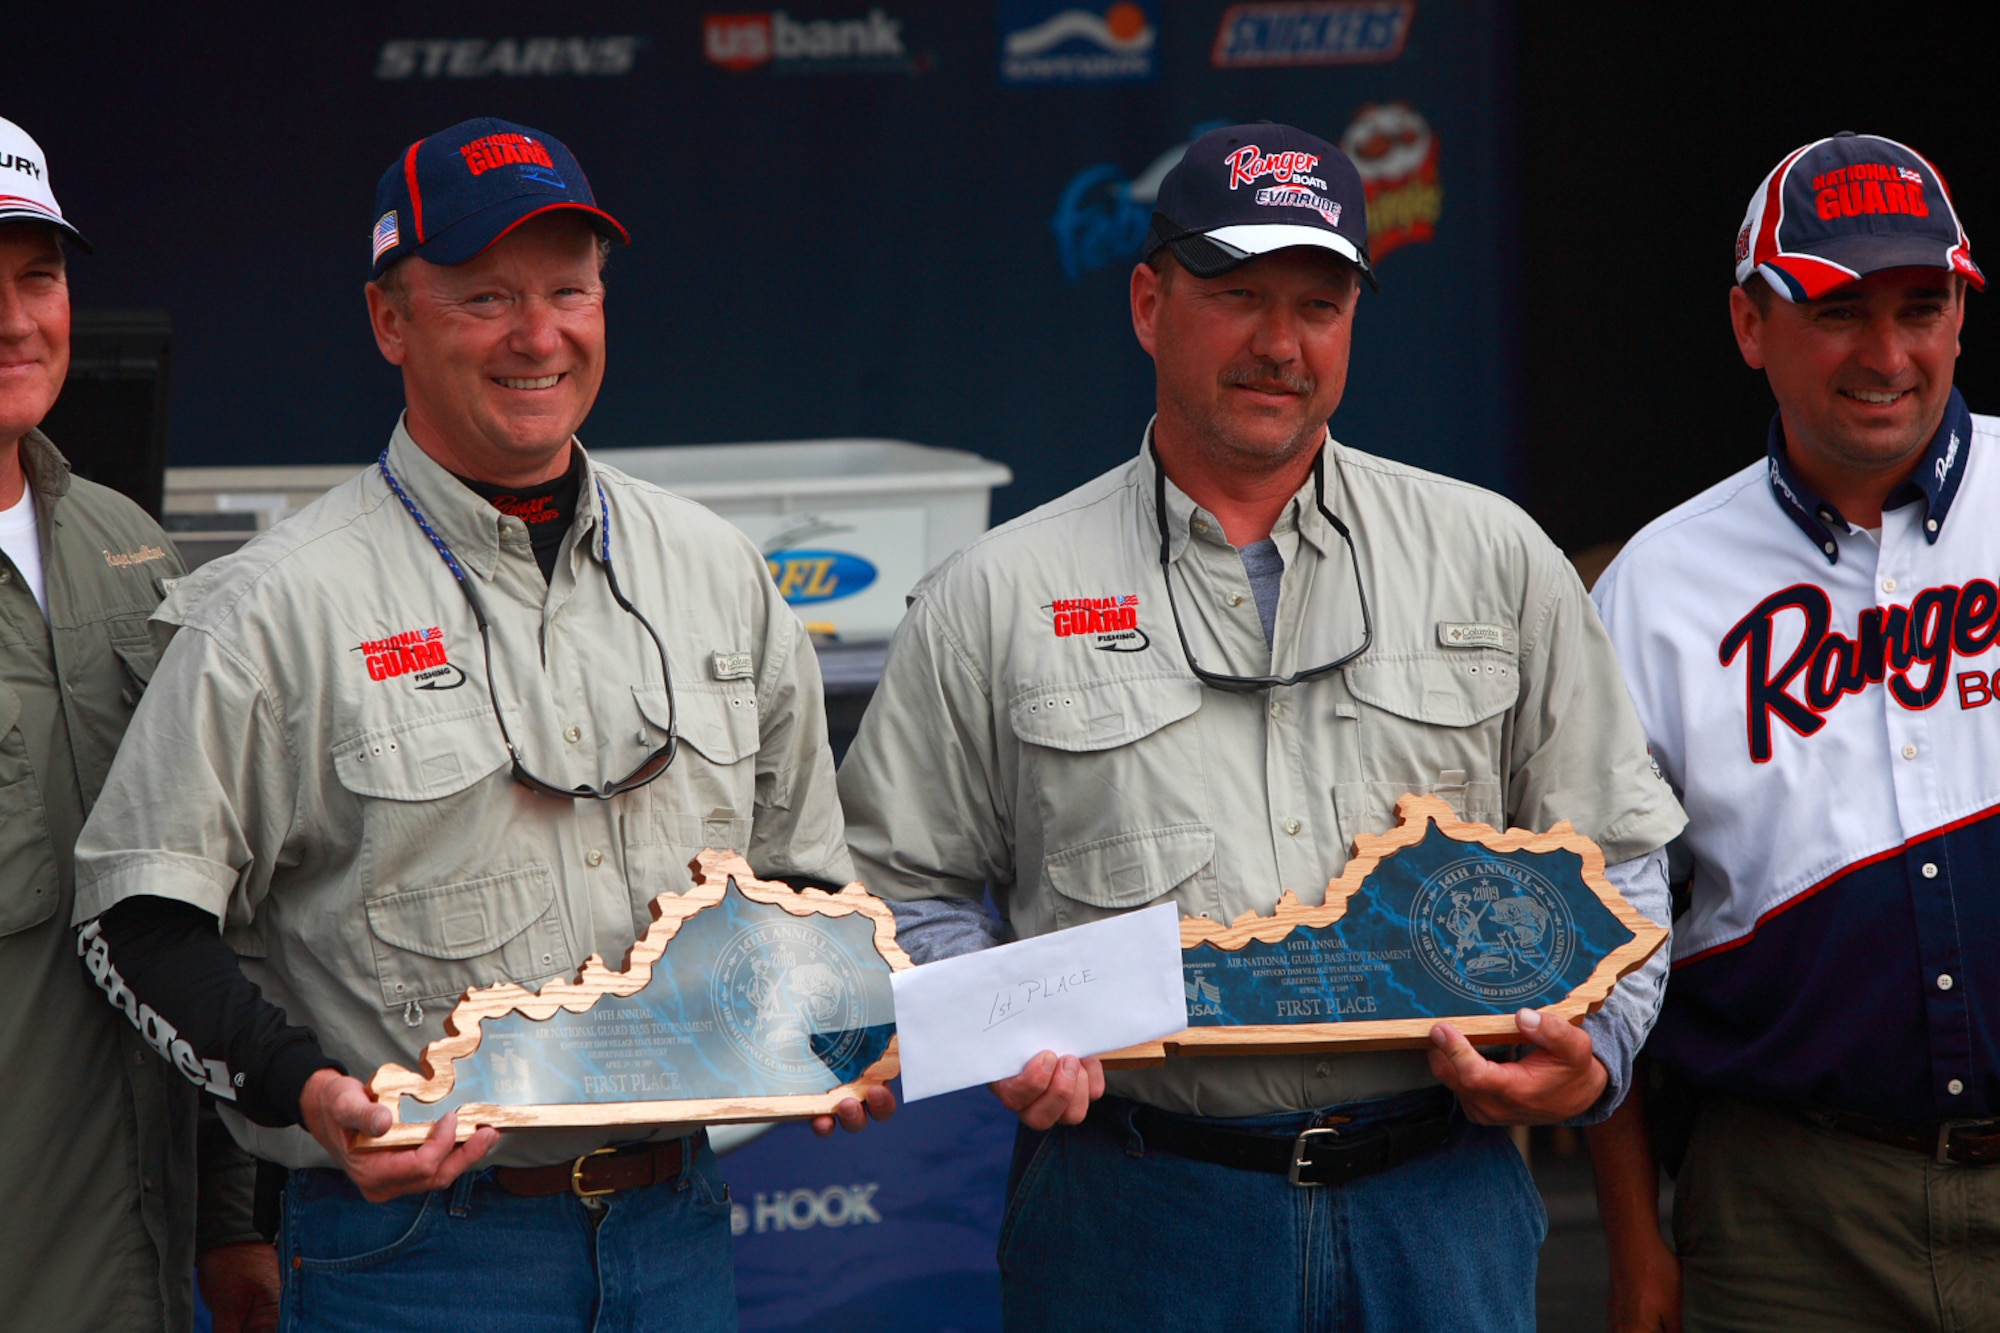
<point>1265,374</point>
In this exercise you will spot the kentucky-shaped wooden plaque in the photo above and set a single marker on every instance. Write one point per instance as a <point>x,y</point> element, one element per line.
<point>746,1000</point>
<point>1438,919</point>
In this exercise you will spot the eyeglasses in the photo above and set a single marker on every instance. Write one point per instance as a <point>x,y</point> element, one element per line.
<point>653,764</point>
<point>1246,684</point>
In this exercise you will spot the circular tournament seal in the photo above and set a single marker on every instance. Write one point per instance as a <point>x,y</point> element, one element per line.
<point>1491,930</point>
<point>779,984</point>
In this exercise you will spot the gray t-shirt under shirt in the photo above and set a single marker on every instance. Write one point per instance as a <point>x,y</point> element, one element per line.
<point>1265,565</point>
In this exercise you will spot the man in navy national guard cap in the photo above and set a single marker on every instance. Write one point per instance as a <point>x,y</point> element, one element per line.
<point>1313,631</point>
<point>373,841</point>
<point>1810,647</point>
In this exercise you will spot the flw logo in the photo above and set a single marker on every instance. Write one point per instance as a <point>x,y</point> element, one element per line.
<point>416,653</point>
<point>1111,623</point>
<point>818,576</point>
<point>1906,649</point>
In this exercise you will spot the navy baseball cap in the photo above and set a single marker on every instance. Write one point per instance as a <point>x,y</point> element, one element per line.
<point>451,195</point>
<point>1247,190</point>
<point>1839,209</point>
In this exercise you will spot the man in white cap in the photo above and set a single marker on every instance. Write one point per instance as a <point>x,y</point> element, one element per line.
<point>109,1202</point>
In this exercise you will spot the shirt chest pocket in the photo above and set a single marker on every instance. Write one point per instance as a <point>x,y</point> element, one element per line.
<point>456,891</point>
<point>705,799</point>
<point>28,887</point>
<point>1432,722</point>
<point>1114,772</point>
<point>108,665</point>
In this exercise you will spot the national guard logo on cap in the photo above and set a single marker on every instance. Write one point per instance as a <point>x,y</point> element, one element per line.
<point>1839,209</point>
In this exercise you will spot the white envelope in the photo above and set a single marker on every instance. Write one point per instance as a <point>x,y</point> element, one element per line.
<point>980,1017</point>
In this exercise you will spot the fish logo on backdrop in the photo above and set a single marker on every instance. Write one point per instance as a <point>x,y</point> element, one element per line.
<point>1396,153</point>
<point>1044,42</point>
<point>1493,931</point>
<point>1101,216</point>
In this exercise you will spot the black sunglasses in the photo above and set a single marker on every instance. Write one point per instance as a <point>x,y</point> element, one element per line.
<point>1245,684</point>
<point>653,764</point>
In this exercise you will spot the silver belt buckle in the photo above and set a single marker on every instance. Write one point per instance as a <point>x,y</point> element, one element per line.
<point>1299,1156</point>
<point>1947,1127</point>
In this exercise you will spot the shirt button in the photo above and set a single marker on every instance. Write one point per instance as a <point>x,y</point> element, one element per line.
<point>6,576</point>
<point>1955,1087</point>
<point>593,858</point>
<point>1888,585</point>
<point>1277,709</point>
<point>1200,525</point>
<point>1292,826</point>
<point>1944,981</point>
<point>1234,599</point>
<point>1930,525</point>
<point>1828,548</point>
<point>1909,752</point>
<point>573,735</point>
<point>1930,870</point>
<point>1323,1070</point>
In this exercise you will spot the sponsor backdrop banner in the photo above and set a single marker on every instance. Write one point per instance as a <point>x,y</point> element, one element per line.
<point>849,218</point>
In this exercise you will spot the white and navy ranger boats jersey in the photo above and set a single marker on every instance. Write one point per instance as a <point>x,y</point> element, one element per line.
<point>1828,705</point>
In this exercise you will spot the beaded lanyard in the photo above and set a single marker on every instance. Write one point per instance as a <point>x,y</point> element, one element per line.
<point>655,763</point>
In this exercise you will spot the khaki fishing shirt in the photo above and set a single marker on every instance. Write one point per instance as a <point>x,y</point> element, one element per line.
<point>318,762</point>
<point>1038,729</point>
<point>98,1171</point>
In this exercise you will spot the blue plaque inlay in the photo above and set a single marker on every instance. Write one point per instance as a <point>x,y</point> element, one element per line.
<point>1440,929</point>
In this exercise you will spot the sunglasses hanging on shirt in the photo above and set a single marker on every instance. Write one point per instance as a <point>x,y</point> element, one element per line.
<point>653,764</point>
<point>1245,684</point>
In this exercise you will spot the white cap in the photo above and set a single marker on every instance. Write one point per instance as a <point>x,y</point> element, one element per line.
<point>24,183</point>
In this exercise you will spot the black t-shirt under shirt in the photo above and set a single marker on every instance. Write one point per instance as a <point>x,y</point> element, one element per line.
<point>547,509</point>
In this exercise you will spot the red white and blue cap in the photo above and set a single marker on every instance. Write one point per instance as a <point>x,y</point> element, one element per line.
<point>452,194</point>
<point>25,195</point>
<point>1839,209</point>
<point>1246,190</point>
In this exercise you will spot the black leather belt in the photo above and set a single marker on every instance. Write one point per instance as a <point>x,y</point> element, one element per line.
<point>1949,1142</point>
<point>1323,1154</point>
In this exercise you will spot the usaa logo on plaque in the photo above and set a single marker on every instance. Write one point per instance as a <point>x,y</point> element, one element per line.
<point>1492,931</point>
<point>779,986</point>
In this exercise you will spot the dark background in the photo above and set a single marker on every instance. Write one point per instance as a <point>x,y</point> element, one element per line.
<point>820,256</point>
<point>1644,130</point>
<point>814,255</point>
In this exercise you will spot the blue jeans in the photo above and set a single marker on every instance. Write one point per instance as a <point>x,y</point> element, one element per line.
<point>475,1257</point>
<point>1102,1234</point>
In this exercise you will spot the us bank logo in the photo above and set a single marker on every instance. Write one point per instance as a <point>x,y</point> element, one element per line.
<point>1047,41</point>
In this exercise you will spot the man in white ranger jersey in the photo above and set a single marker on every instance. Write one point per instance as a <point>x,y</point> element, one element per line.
<point>1809,645</point>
